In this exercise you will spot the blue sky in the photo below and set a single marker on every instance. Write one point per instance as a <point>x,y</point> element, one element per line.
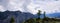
<point>32,6</point>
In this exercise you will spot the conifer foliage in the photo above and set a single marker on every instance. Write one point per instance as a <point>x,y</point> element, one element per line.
<point>12,20</point>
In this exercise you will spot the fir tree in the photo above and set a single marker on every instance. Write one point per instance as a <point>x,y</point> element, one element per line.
<point>39,13</point>
<point>12,20</point>
<point>38,19</point>
<point>44,18</point>
<point>44,15</point>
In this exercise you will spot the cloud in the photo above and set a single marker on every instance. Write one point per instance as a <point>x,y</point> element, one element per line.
<point>1,8</point>
<point>4,4</point>
<point>48,6</point>
<point>32,6</point>
<point>21,5</point>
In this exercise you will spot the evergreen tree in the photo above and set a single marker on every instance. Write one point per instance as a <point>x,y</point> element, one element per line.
<point>44,18</point>
<point>44,15</point>
<point>39,13</point>
<point>12,20</point>
<point>38,19</point>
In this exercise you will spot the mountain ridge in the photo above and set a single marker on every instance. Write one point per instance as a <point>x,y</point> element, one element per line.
<point>21,16</point>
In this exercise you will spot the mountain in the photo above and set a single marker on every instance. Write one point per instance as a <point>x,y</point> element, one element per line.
<point>18,16</point>
<point>22,16</point>
<point>53,15</point>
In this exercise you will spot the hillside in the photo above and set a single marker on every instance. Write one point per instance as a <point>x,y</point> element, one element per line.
<point>22,16</point>
<point>18,16</point>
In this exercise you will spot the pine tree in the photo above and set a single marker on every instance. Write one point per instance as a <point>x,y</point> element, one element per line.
<point>39,13</point>
<point>12,20</point>
<point>38,19</point>
<point>44,18</point>
<point>44,15</point>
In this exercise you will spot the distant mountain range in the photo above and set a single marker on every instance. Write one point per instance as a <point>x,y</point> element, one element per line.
<point>21,16</point>
<point>53,15</point>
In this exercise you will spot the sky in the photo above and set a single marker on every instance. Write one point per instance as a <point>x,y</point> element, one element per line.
<point>32,6</point>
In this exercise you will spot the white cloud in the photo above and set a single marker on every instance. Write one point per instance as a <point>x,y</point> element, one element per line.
<point>48,6</point>
<point>1,8</point>
<point>32,6</point>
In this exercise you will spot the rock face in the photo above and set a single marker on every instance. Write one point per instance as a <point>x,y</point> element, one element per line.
<point>18,16</point>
